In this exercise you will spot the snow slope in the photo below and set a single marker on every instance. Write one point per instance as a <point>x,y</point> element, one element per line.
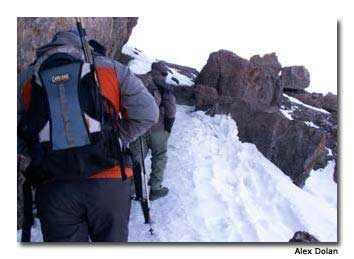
<point>225,190</point>
<point>222,190</point>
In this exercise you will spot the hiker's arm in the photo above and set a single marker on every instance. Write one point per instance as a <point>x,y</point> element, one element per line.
<point>169,103</point>
<point>140,111</point>
<point>22,78</point>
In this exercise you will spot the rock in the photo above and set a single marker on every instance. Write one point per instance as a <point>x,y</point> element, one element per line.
<point>205,96</point>
<point>234,76</point>
<point>324,122</point>
<point>303,237</point>
<point>113,33</point>
<point>185,95</point>
<point>290,144</point>
<point>251,91</point>
<point>268,60</point>
<point>313,99</point>
<point>330,102</point>
<point>295,77</point>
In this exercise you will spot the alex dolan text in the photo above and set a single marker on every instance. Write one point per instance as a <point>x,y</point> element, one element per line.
<point>317,250</point>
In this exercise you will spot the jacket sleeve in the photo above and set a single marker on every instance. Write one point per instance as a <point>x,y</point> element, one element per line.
<point>21,81</point>
<point>168,102</point>
<point>140,111</point>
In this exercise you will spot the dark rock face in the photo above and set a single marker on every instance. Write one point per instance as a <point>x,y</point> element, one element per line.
<point>234,76</point>
<point>268,60</point>
<point>205,96</point>
<point>252,93</point>
<point>295,77</point>
<point>112,33</point>
<point>330,102</point>
<point>304,237</point>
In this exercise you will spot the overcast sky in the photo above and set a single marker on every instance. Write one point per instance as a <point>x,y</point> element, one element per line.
<point>188,40</point>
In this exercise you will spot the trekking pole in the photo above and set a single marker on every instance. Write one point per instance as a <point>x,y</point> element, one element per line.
<point>146,203</point>
<point>89,57</point>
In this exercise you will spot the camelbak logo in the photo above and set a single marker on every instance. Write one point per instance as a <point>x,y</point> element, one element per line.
<point>60,78</point>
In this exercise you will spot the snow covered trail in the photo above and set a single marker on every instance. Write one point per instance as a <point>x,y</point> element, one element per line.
<point>223,190</point>
<point>226,191</point>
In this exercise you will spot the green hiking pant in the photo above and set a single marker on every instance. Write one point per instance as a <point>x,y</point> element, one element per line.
<point>156,141</point>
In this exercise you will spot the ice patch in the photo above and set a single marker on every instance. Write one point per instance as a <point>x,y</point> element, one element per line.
<point>287,114</point>
<point>296,101</point>
<point>311,124</point>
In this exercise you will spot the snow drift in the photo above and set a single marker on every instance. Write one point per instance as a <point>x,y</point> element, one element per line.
<point>222,190</point>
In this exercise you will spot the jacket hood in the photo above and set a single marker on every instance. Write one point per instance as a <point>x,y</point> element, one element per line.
<point>61,38</point>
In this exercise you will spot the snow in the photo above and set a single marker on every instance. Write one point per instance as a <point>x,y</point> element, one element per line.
<point>311,124</point>
<point>227,191</point>
<point>287,113</point>
<point>321,184</point>
<point>224,190</point>
<point>296,101</point>
<point>141,64</point>
<point>182,79</point>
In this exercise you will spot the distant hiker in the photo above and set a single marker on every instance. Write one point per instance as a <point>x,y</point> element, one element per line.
<point>75,133</point>
<point>156,138</point>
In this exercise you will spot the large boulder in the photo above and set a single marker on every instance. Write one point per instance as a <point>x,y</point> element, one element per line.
<point>295,77</point>
<point>234,76</point>
<point>113,33</point>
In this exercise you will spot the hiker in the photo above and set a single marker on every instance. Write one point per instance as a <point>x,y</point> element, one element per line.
<point>156,138</point>
<point>76,139</point>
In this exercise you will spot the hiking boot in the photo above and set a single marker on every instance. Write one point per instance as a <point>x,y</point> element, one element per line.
<point>156,194</point>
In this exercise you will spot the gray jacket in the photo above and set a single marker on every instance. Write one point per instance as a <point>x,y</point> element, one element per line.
<point>135,99</point>
<point>166,102</point>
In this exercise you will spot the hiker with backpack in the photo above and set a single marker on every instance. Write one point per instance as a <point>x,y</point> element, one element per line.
<point>75,120</point>
<point>156,139</point>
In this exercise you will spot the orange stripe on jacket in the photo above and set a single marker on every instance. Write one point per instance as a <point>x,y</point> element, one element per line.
<point>113,172</point>
<point>110,89</point>
<point>27,94</point>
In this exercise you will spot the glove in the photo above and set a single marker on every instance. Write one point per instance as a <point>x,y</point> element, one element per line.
<point>168,122</point>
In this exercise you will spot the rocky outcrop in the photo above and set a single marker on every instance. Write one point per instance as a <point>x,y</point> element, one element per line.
<point>303,237</point>
<point>330,102</point>
<point>268,60</point>
<point>113,33</point>
<point>251,91</point>
<point>295,77</point>
<point>234,76</point>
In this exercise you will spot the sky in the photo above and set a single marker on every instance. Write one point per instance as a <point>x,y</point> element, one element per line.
<point>188,40</point>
